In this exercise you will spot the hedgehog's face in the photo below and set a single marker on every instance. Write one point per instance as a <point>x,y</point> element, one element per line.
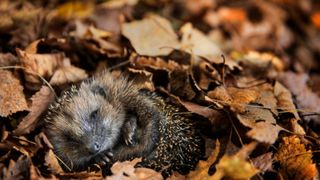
<point>87,124</point>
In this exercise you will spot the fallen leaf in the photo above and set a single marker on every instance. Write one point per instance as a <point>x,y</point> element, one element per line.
<point>142,78</point>
<point>36,174</point>
<point>80,175</point>
<point>52,162</point>
<point>262,123</point>
<point>202,168</point>
<point>70,10</point>
<point>12,98</point>
<point>284,100</point>
<point>236,166</point>
<point>67,73</point>
<point>206,112</point>
<point>195,42</point>
<point>151,36</point>
<point>180,84</point>
<point>126,170</point>
<point>119,3</point>
<point>295,160</point>
<point>307,101</point>
<point>154,63</point>
<point>262,60</point>
<point>37,65</point>
<point>8,59</point>
<point>40,103</point>
<point>17,169</point>
<point>263,162</point>
<point>255,108</point>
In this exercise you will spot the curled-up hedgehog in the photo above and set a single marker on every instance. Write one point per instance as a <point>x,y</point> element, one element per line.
<point>109,119</point>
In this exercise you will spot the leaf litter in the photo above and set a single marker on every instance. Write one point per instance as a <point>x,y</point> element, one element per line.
<point>254,77</point>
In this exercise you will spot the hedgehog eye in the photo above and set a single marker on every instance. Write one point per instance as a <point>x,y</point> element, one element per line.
<point>94,114</point>
<point>99,90</point>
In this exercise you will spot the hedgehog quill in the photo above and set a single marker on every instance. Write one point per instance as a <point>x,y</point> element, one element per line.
<point>108,119</point>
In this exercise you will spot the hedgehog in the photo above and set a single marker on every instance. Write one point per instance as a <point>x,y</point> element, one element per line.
<point>107,119</point>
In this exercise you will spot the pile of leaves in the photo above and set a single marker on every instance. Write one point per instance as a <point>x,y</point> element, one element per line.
<point>249,67</point>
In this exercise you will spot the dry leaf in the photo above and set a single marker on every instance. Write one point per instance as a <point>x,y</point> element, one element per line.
<point>126,170</point>
<point>18,169</point>
<point>142,78</point>
<point>7,59</point>
<point>74,9</point>
<point>284,100</point>
<point>52,162</point>
<point>262,123</point>
<point>307,100</point>
<point>263,162</point>
<point>12,97</point>
<point>236,166</point>
<point>37,65</point>
<point>40,103</point>
<point>195,42</point>
<point>202,169</point>
<point>180,84</point>
<point>295,160</point>
<point>206,112</point>
<point>67,73</point>
<point>152,36</point>
<point>255,108</point>
<point>119,3</point>
<point>262,60</point>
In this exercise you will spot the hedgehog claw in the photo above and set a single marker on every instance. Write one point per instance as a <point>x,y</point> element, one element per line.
<point>104,158</point>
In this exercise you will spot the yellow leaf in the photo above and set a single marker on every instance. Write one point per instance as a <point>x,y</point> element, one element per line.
<point>75,9</point>
<point>202,169</point>
<point>236,166</point>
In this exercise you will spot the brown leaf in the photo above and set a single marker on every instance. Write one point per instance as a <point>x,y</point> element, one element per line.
<point>195,42</point>
<point>262,123</point>
<point>7,59</point>
<point>40,103</point>
<point>260,117</point>
<point>236,166</point>
<point>142,78</point>
<point>206,112</point>
<point>284,99</point>
<point>152,36</point>
<point>154,63</point>
<point>295,160</point>
<point>52,162</point>
<point>262,60</point>
<point>38,65</point>
<point>67,73</point>
<point>180,84</point>
<point>263,162</point>
<point>18,169</point>
<point>119,3</point>
<point>12,97</point>
<point>126,170</point>
<point>307,100</point>
<point>36,174</point>
<point>202,168</point>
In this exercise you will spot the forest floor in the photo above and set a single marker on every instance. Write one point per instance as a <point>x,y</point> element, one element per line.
<point>250,67</point>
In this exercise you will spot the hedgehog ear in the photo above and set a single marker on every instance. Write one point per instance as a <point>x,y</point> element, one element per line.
<point>99,90</point>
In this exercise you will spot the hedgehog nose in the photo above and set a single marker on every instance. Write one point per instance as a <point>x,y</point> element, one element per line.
<point>95,148</point>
